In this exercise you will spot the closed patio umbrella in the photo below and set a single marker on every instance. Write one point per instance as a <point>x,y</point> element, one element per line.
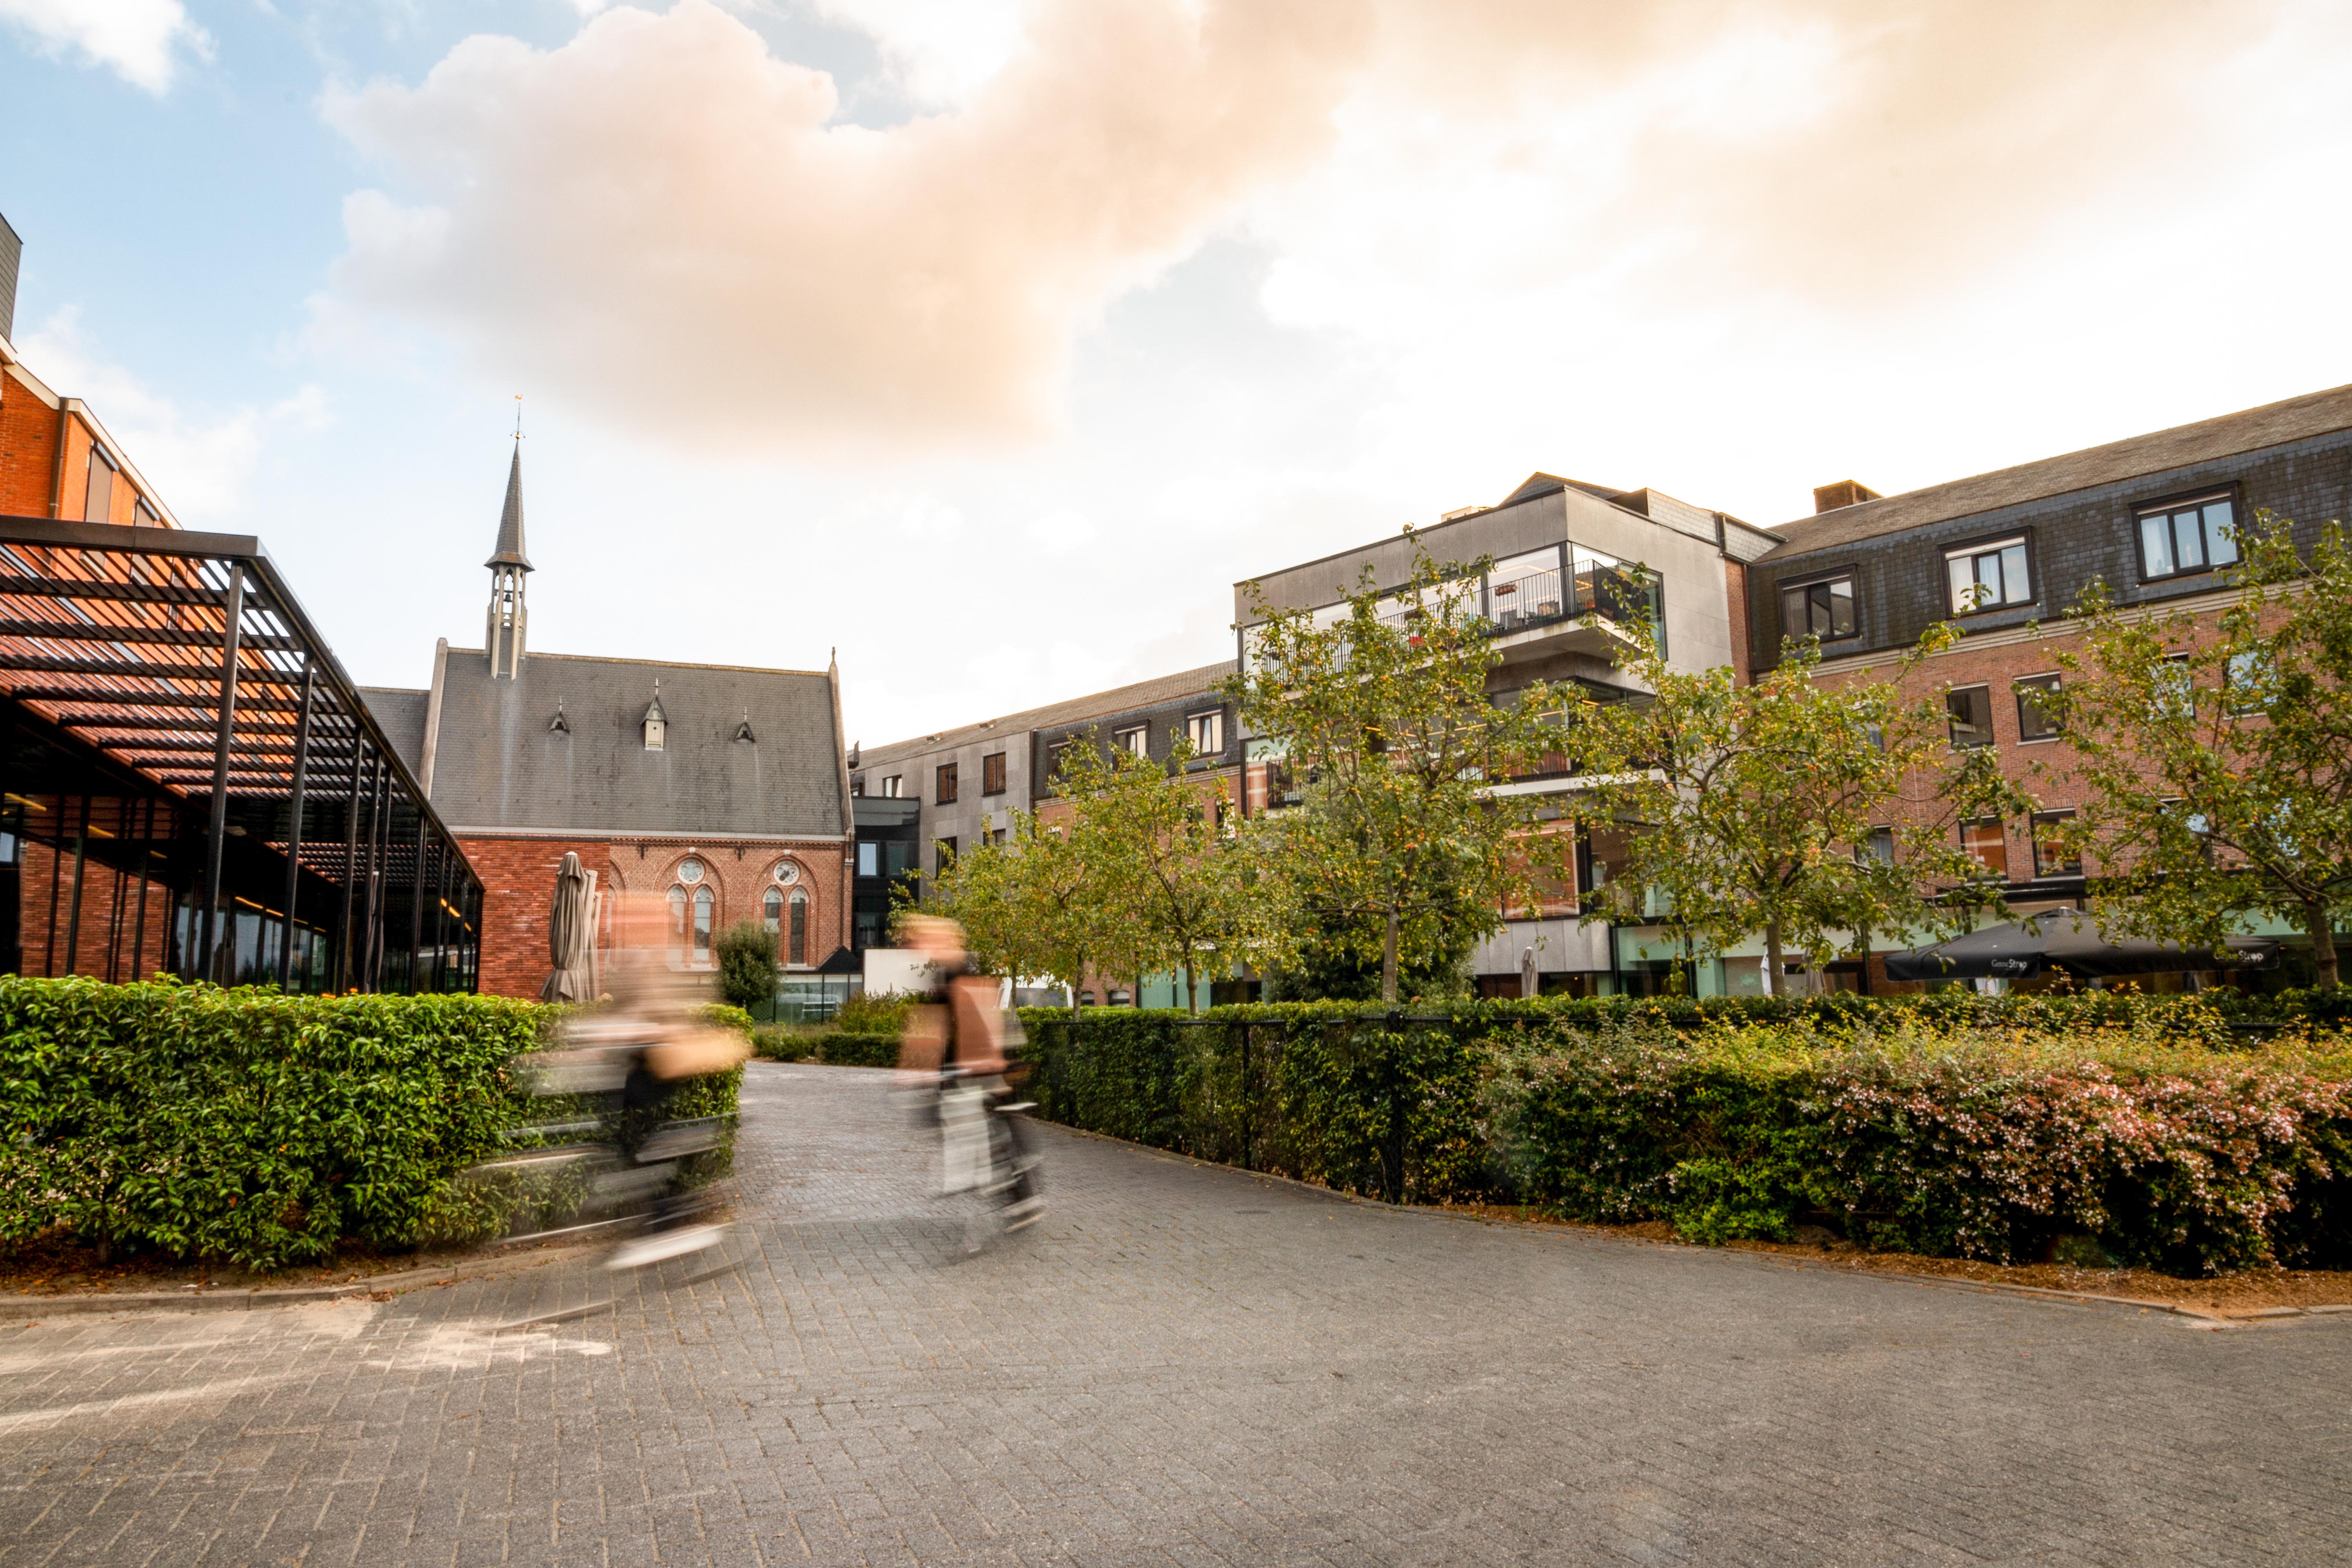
<point>570,935</point>
<point>2067,940</point>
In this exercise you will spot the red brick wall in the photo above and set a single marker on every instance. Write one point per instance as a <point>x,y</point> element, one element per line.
<point>104,896</point>
<point>28,450</point>
<point>1735,588</point>
<point>519,885</point>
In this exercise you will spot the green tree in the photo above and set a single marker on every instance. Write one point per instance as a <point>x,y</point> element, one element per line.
<point>1400,845</point>
<point>2218,753</point>
<point>1032,905</point>
<point>747,963</point>
<point>1172,878</point>
<point>1755,809</point>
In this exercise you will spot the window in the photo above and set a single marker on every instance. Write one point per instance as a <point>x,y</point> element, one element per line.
<point>1987,843</point>
<point>678,922</point>
<point>797,946</point>
<point>991,773</point>
<point>772,909</point>
<point>992,836</point>
<point>1206,731</point>
<point>1135,742</point>
<point>2037,708</point>
<point>1989,577</point>
<point>2253,682</point>
<point>1878,845</point>
<point>98,506</point>
<point>1524,588</point>
<point>1970,709</point>
<point>143,516</point>
<point>945,778</point>
<point>657,731</point>
<point>2175,689</point>
<point>1823,610</point>
<point>946,854</point>
<point>890,786</point>
<point>705,905</point>
<point>689,870</point>
<point>858,787</point>
<point>870,859</point>
<point>2053,856</point>
<point>2183,537</point>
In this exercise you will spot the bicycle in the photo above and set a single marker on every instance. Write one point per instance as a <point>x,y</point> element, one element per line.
<point>985,1150</point>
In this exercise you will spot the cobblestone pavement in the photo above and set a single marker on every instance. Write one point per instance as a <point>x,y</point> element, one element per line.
<point>1182,1365</point>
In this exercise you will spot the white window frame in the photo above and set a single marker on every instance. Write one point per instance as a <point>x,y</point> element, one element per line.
<point>1206,731</point>
<point>1135,740</point>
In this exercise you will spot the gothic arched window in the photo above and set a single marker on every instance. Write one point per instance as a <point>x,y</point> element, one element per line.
<point>799,946</point>
<point>678,922</point>
<point>705,905</point>
<point>772,910</point>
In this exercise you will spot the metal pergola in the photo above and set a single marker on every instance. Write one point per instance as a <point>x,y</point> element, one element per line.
<point>192,783</point>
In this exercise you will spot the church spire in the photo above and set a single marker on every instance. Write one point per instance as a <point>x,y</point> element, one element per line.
<point>504,637</point>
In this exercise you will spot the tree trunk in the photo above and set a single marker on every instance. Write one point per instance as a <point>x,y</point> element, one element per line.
<point>2322,928</point>
<point>1776,974</point>
<point>1192,992</point>
<point>1389,960</point>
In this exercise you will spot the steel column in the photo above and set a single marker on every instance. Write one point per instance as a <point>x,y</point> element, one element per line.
<point>350,871</point>
<point>417,903</point>
<point>81,863</point>
<point>217,824</point>
<point>294,829</point>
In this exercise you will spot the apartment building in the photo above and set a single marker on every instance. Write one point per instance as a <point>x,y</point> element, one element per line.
<point>1570,565</point>
<point>2004,554</point>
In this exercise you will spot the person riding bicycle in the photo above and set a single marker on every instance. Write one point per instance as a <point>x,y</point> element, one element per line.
<point>964,1041</point>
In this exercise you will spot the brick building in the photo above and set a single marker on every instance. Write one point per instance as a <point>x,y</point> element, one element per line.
<point>718,789</point>
<point>2004,554</point>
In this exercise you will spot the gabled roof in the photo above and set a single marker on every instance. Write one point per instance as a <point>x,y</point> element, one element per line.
<point>496,763</point>
<point>2272,425</point>
<point>510,550</point>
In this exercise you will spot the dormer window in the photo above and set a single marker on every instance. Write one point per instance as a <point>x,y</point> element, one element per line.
<point>655,722</point>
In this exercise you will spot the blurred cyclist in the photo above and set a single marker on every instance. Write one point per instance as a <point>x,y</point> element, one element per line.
<point>962,1041</point>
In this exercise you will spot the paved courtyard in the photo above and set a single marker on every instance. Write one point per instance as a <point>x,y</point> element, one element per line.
<point>1182,1365</point>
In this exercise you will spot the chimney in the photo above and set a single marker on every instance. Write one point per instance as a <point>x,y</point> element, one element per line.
<point>12,250</point>
<point>1845,492</point>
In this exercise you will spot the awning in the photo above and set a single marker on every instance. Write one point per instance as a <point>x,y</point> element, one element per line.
<point>2063,938</point>
<point>204,789</point>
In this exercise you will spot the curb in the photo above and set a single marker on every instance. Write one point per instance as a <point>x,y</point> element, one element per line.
<point>2201,1318</point>
<point>18,1307</point>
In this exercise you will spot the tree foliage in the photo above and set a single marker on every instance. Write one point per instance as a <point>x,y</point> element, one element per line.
<point>746,951</point>
<point>1400,850</point>
<point>1755,809</point>
<point>2217,752</point>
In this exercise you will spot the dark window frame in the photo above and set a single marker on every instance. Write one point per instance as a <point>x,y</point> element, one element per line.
<point>945,785</point>
<point>2018,688</point>
<point>2042,870</point>
<point>1826,582</point>
<point>991,773</point>
<point>1119,739</point>
<point>1995,544</point>
<point>2001,827</point>
<point>2172,507</point>
<point>1952,719</point>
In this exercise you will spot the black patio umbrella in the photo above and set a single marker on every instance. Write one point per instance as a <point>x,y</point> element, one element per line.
<point>2065,940</point>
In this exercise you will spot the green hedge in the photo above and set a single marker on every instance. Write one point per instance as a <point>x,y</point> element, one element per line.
<point>848,1048</point>
<point>1977,1131</point>
<point>251,1126</point>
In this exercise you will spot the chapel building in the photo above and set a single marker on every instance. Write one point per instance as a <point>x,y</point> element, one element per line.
<point>718,789</point>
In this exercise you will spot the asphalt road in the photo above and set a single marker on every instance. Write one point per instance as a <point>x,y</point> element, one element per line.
<point>1181,1365</point>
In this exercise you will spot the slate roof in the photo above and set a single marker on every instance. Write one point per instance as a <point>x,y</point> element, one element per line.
<point>497,765</point>
<point>1099,704</point>
<point>2272,425</point>
<point>402,713</point>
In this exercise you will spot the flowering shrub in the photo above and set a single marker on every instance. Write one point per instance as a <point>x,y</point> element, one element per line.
<point>2152,1129</point>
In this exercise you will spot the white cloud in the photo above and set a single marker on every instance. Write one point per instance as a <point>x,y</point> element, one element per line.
<point>139,39</point>
<point>659,222</point>
<point>938,51</point>
<point>202,465</point>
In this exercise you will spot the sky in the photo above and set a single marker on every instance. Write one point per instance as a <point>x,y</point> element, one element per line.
<point>991,341</point>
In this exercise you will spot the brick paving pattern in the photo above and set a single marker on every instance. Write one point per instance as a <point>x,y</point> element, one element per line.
<point>1182,1365</point>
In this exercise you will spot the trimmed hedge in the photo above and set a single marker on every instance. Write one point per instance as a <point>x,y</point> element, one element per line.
<point>848,1048</point>
<point>1993,1133</point>
<point>252,1126</point>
